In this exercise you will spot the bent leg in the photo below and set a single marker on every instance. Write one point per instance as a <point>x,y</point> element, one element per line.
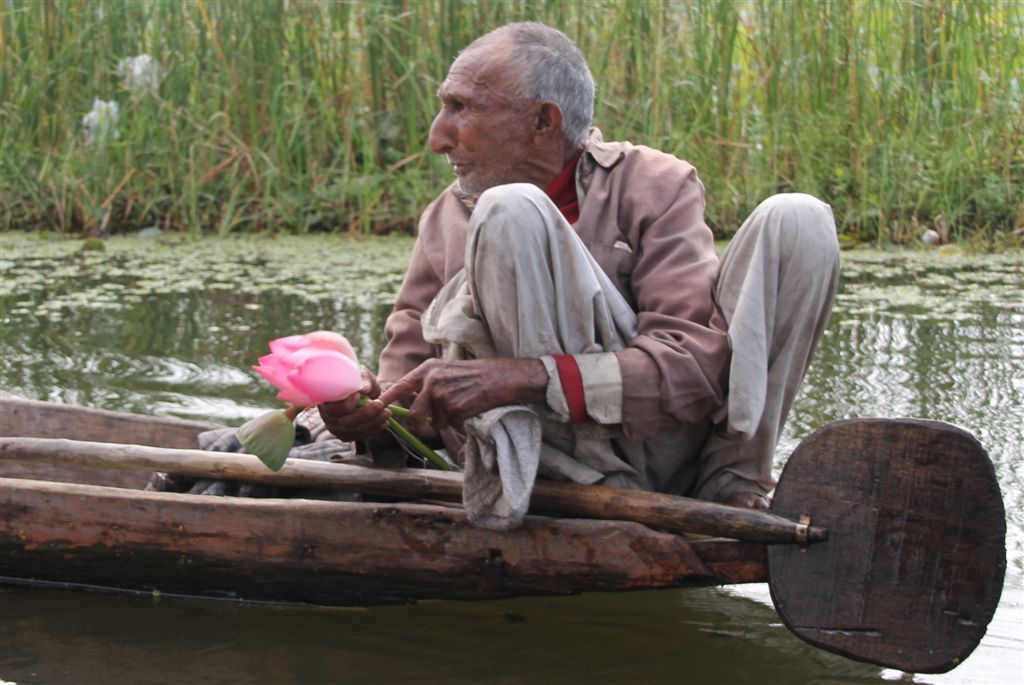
<point>776,286</point>
<point>529,289</point>
<point>534,283</point>
<point>542,293</point>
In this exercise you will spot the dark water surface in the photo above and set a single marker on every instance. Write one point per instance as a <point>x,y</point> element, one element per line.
<point>170,327</point>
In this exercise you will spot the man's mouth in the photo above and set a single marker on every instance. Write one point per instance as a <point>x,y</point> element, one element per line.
<point>458,167</point>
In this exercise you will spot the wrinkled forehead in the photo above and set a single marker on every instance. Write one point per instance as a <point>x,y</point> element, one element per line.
<point>481,72</point>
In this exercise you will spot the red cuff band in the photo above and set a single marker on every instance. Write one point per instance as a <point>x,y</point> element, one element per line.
<point>572,386</point>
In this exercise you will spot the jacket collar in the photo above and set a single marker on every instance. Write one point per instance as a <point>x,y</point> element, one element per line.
<point>598,154</point>
<point>605,154</point>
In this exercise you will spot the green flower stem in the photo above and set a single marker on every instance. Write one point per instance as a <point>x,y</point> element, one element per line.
<point>417,445</point>
<point>399,411</point>
<point>405,435</point>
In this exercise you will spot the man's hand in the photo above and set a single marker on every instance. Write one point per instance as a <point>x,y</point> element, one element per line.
<point>348,421</point>
<point>448,393</point>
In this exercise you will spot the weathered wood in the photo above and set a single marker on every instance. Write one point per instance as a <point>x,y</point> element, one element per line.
<point>677,514</point>
<point>31,418</point>
<point>296,550</point>
<point>333,552</point>
<point>914,565</point>
<point>408,483</point>
<point>909,576</point>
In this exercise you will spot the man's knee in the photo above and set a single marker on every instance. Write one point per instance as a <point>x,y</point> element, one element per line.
<point>509,196</point>
<point>509,211</point>
<point>799,209</point>
<point>798,226</point>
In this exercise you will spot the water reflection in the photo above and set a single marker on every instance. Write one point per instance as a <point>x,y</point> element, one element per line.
<point>911,336</point>
<point>171,354</point>
<point>888,365</point>
<point>649,637</point>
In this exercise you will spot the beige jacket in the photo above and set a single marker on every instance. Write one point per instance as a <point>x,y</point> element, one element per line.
<point>642,217</point>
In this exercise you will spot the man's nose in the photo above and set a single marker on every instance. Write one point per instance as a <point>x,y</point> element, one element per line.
<point>442,135</point>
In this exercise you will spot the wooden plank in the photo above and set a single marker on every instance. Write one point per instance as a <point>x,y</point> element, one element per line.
<point>334,552</point>
<point>677,514</point>
<point>404,483</point>
<point>31,418</point>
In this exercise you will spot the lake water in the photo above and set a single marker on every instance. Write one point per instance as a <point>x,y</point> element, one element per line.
<point>170,326</point>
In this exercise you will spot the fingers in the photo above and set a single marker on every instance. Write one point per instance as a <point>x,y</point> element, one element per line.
<point>424,410</point>
<point>370,386</point>
<point>347,421</point>
<point>423,416</point>
<point>446,393</point>
<point>408,384</point>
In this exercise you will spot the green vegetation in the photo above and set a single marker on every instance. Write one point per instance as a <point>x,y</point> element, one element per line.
<point>305,116</point>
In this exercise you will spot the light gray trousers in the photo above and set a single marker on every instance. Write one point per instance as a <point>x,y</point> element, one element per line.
<point>530,282</point>
<point>776,286</point>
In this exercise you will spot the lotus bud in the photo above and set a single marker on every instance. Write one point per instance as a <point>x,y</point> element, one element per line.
<point>311,369</point>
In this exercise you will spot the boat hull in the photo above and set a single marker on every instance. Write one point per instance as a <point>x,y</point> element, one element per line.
<point>335,553</point>
<point>319,552</point>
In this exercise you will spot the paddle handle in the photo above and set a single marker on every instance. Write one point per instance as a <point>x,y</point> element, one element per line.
<point>677,514</point>
<point>671,512</point>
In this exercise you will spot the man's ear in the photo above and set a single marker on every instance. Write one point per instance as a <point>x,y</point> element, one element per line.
<point>547,119</point>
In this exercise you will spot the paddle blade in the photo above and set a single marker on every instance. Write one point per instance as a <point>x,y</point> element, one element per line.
<point>913,567</point>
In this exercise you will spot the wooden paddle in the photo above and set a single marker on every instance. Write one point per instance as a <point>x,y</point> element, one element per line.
<point>914,564</point>
<point>909,576</point>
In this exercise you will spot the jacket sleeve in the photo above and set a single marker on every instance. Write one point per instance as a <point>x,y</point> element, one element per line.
<point>405,348</point>
<point>675,370</point>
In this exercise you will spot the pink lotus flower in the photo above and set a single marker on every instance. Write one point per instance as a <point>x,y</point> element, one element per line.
<point>312,368</point>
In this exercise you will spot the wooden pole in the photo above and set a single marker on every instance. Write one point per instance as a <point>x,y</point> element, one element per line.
<point>676,514</point>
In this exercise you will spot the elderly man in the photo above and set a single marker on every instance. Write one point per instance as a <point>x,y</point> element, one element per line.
<point>565,307</point>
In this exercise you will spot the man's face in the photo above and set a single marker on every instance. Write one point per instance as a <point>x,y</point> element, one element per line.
<point>483,131</point>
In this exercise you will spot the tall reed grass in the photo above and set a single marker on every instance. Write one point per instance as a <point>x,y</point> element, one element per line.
<point>312,115</point>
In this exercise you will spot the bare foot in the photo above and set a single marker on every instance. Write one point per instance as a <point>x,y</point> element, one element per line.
<point>748,500</point>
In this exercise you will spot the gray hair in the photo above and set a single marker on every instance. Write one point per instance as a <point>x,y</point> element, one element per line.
<point>551,67</point>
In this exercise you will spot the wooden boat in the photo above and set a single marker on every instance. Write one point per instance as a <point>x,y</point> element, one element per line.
<point>885,542</point>
<point>87,526</point>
